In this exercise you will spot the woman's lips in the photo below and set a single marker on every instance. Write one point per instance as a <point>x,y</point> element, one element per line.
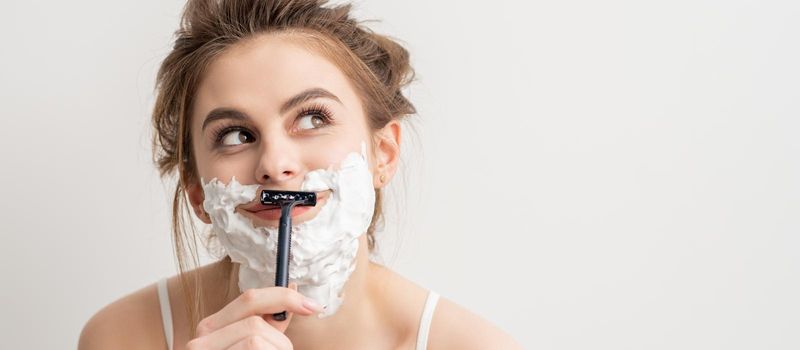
<point>275,213</point>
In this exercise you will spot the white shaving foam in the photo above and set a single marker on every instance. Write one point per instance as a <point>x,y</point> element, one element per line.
<point>323,248</point>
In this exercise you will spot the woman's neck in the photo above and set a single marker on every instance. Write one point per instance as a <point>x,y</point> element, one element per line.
<point>359,314</point>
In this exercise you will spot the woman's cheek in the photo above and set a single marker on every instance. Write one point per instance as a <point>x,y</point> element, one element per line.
<point>226,169</point>
<point>332,153</point>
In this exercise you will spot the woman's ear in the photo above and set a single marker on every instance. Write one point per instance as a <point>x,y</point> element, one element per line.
<point>196,198</point>
<point>387,153</point>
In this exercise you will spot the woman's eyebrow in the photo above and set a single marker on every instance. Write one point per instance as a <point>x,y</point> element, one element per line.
<point>230,113</point>
<point>306,95</point>
<point>223,113</point>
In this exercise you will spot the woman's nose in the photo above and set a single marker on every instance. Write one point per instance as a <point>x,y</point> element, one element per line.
<point>277,163</point>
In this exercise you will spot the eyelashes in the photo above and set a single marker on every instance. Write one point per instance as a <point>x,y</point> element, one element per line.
<point>225,127</point>
<point>320,110</point>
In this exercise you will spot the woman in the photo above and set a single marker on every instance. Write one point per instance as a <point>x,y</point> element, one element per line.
<point>282,95</point>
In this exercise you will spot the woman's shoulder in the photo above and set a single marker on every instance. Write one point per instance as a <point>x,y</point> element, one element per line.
<point>134,321</point>
<point>452,326</point>
<point>131,322</point>
<point>455,327</point>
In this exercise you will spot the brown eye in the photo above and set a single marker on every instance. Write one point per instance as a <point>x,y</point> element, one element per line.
<point>236,137</point>
<point>311,121</point>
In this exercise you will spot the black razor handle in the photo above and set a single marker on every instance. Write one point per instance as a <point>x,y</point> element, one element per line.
<point>284,250</point>
<point>286,200</point>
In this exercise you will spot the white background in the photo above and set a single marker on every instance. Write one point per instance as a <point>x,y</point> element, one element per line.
<point>585,174</point>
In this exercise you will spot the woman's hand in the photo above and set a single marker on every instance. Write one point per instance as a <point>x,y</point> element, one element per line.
<point>246,322</point>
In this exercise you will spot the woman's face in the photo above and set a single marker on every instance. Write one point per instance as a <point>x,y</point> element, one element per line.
<point>268,111</point>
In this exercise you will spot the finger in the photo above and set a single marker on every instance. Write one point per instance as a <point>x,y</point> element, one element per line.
<point>279,325</point>
<point>243,329</point>
<point>251,343</point>
<point>258,302</point>
<point>282,325</point>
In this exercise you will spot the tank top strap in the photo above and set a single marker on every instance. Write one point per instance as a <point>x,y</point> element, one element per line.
<point>166,311</point>
<point>425,320</point>
<point>422,334</point>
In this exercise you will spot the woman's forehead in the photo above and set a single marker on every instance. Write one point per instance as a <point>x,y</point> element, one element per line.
<point>265,71</point>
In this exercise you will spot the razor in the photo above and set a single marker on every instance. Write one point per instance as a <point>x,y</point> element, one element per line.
<point>286,200</point>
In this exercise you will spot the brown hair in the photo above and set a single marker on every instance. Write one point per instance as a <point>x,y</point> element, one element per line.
<point>377,66</point>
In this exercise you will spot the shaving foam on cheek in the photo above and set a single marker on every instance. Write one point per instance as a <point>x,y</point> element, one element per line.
<point>323,248</point>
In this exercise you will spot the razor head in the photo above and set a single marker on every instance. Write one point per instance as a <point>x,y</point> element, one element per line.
<point>269,197</point>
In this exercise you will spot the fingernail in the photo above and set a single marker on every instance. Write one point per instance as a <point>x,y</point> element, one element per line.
<point>311,304</point>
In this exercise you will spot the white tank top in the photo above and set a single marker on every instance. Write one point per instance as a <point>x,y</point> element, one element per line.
<point>422,333</point>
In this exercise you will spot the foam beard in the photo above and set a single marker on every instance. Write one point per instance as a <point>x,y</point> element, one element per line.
<point>323,248</point>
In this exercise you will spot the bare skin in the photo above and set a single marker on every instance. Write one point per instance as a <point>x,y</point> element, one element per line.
<point>134,321</point>
<point>276,148</point>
